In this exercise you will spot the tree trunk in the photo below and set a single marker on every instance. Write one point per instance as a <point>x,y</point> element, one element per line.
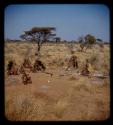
<point>38,49</point>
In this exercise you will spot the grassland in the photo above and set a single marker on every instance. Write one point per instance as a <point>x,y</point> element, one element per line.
<point>60,97</point>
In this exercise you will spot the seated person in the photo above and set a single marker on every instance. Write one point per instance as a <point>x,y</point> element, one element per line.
<point>38,65</point>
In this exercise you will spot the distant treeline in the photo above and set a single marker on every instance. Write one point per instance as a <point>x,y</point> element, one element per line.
<point>63,41</point>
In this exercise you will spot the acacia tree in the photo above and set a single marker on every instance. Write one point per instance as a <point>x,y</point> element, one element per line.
<point>82,42</point>
<point>39,35</point>
<point>87,41</point>
<point>90,40</point>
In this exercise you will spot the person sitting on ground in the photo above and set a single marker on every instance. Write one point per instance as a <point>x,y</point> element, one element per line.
<point>26,79</point>
<point>12,68</point>
<point>39,66</point>
<point>9,67</point>
<point>73,62</point>
<point>85,70</point>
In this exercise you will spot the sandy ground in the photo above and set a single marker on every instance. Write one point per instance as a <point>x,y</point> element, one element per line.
<point>63,97</point>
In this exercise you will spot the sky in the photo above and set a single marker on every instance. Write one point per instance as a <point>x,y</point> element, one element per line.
<point>71,20</point>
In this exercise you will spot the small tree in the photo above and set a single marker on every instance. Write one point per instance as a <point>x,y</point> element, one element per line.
<point>82,42</point>
<point>90,40</point>
<point>87,41</point>
<point>39,35</point>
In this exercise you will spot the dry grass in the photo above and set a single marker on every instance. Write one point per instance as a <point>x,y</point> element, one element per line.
<point>60,107</point>
<point>65,97</point>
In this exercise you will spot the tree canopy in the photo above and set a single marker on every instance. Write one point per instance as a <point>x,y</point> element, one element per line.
<point>89,39</point>
<point>86,41</point>
<point>39,35</point>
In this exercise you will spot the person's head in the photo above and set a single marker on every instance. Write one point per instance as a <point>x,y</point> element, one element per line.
<point>10,62</point>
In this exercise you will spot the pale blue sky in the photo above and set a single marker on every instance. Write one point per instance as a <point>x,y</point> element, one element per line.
<point>71,20</point>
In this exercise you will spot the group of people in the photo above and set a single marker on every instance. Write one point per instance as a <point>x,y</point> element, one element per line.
<point>73,63</point>
<point>12,68</point>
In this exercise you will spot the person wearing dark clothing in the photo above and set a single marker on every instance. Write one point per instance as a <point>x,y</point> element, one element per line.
<point>38,66</point>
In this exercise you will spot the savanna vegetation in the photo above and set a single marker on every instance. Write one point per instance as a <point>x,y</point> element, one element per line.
<point>68,80</point>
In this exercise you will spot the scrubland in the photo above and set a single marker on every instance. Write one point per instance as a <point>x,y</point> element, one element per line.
<point>64,96</point>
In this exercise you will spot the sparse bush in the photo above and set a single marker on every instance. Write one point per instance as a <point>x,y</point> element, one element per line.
<point>93,59</point>
<point>100,62</point>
